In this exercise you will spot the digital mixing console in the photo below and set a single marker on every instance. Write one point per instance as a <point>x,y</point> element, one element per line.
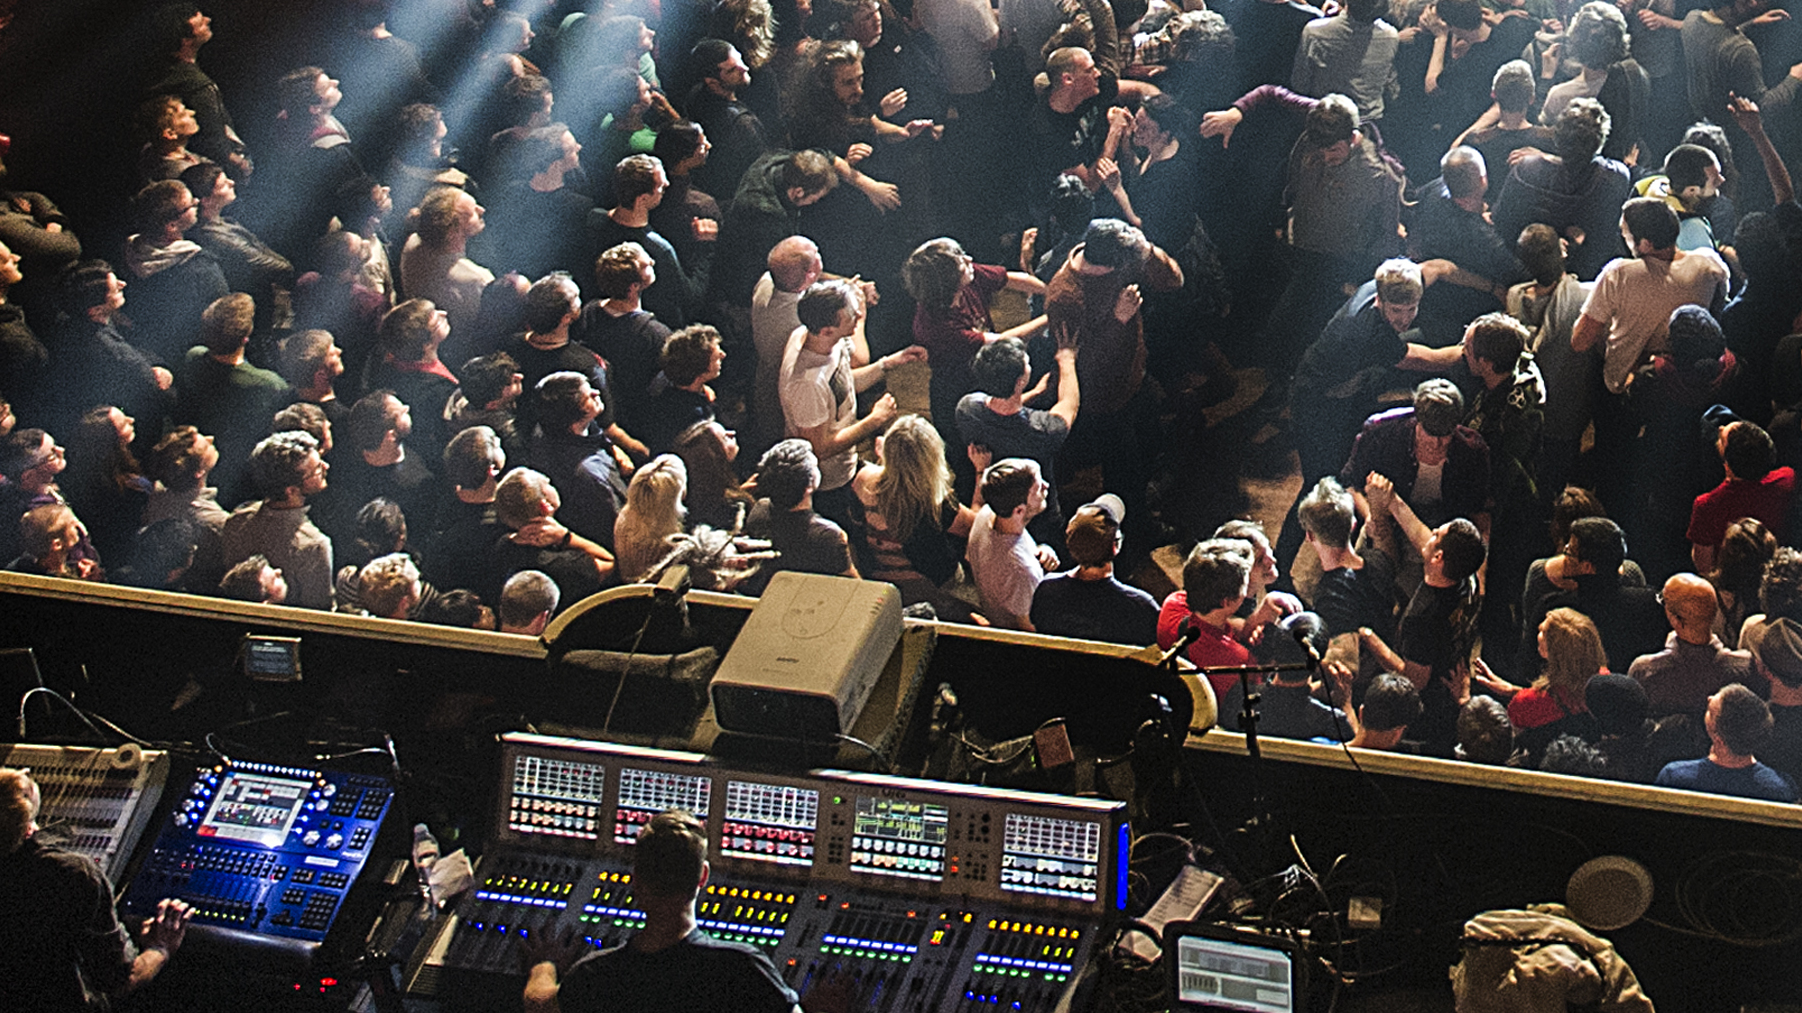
<point>928,896</point>
<point>96,802</point>
<point>265,855</point>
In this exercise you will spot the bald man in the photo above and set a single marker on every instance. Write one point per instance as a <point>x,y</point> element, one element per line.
<point>794,263</point>
<point>1694,662</point>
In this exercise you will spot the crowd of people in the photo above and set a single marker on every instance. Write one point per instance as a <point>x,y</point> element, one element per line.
<point>512,302</point>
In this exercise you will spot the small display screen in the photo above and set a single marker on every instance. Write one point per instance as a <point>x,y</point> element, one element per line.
<point>894,837</point>
<point>1053,857</point>
<point>645,793</point>
<point>1215,974</point>
<point>556,798</point>
<point>256,808</point>
<point>272,658</point>
<point>770,822</point>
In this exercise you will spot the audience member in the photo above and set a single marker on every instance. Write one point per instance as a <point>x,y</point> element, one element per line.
<point>820,382</point>
<point>1694,662</point>
<point>803,540</point>
<point>1739,724</point>
<point>1088,601</point>
<point>652,512</point>
<point>526,503</point>
<point>287,469</point>
<point>715,495</point>
<point>254,580</point>
<point>906,525</point>
<point>1004,560</point>
<point>528,600</point>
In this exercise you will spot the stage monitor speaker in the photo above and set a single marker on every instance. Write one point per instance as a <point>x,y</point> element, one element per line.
<point>804,663</point>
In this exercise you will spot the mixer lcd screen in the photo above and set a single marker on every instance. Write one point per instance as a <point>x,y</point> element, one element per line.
<point>256,808</point>
<point>1225,974</point>
<point>645,793</point>
<point>1051,857</point>
<point>895,837</point>
<point>770,822</point>
<point>556,798</point>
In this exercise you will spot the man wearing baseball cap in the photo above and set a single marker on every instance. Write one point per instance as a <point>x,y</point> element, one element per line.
<point>1089,601</point>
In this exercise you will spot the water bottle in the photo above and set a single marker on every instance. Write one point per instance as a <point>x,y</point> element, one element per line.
<point>425,855</point>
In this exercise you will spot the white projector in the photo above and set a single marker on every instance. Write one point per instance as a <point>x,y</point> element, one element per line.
<point>806,660</point>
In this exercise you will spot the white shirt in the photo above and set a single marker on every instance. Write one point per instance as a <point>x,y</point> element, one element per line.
<point>818,390</point>
<point>1635,298</point>
<point>1007,571</point>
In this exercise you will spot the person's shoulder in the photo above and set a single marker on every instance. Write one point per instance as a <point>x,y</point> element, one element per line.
<point>1618,270</point>
<point>1678,773</point>
<point>990,277</point>
<point>1128,592</point>
<point>1514,32</point>
<point>1771,783</point>
<point>35,850</point>
<point>1046,422</point>
<point>1707,261</point>
<point>256,376</point>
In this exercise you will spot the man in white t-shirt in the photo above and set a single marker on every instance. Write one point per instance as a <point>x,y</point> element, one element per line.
<point>794,265</point>
<point>1631,307</point>
<point>1633,299</point>
<point>818,386</point>
<point>1004,559</point>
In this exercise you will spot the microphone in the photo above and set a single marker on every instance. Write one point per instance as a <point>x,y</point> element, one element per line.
<point>1188,633</point>
<point>1307,644</point>
<point>1302,626</point>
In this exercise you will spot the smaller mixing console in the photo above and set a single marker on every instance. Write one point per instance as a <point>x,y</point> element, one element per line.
<point>265,855</point>
<point>928,897</point>
<point>97,802</point>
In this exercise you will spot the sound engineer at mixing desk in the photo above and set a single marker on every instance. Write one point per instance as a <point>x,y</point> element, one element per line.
<point>670,965</point>
<point>61,945</point>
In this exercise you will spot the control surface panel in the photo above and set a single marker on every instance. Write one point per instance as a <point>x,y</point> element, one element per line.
<point>926,896</point>
<point>264,851</point>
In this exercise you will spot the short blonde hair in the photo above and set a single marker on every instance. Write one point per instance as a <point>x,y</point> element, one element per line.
<point>520,497</point>
<point>1399,281</point>
<point>438,215</point>
<point>227,322</point>
<point>18,809</point>
<point>387,582</point>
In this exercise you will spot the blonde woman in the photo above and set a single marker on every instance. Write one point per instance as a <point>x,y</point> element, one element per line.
<point>909,518</point>
<point>1572,650</point>
<point>653,512</point>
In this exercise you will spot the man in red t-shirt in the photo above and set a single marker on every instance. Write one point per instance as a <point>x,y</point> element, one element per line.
<point>1215,579</point>
<point>1753,488</point>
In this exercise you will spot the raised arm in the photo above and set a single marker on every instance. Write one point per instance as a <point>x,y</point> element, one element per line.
<point>1745,113</point>
<point>1381,492</point>
<point>1069,395</point>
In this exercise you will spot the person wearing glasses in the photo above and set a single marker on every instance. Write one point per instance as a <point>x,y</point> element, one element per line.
<point>173,279</point>
<point>30,461</point>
